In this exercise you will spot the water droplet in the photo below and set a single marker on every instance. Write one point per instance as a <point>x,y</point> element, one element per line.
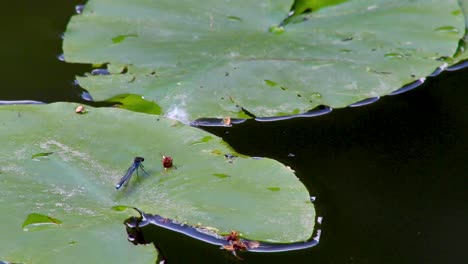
<point>393,55</point>
<point>276,29</point>
<point>234,18</point>
<point>270,83</point>
<point>79,9</point>
<point>447,29</point>
<point>316,96</point>
<point>61,57</point>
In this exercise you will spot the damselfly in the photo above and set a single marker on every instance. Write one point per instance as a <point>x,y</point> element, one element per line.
<point>137,164</point>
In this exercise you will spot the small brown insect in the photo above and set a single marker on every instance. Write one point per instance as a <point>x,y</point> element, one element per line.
<point>235,244</point>
<point>227,121</point>
<point>233,236</point>
<point>80,109</point>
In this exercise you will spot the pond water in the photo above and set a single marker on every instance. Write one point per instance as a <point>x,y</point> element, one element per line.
<point>390,178</point>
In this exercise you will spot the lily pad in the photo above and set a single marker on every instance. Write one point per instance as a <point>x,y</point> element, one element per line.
<point>462,53</point>
<point>76,185</point>
<point>192,57</point>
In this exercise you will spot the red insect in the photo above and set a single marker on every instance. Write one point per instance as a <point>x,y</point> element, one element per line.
<point>167,162</point>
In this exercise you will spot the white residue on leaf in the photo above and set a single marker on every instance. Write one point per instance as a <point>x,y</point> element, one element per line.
<point>84,162</point>
<point>67,154</point>
<point>351,86</point>
<point>66,192</point>
<point>178,113</point>
<point>233,54</point>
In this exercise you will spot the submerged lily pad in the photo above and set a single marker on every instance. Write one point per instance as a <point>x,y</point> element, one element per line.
<point>92,152</point>
<point>43,154</point>
<point>36,219</point>
<point>207,64</point>
<point>303,7</point>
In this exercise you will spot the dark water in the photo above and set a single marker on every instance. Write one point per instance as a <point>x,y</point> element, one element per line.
<point>390,178</point>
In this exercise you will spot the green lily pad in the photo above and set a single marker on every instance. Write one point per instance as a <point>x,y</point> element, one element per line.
<point>462,53</point>
<point>76,185</point>
<point>192,58</point>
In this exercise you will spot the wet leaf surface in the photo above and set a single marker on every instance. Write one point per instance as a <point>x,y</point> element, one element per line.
<point>207,64</point>
<point>92,152</point>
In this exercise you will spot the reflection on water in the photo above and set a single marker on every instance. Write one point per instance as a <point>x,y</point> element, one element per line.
<point>79,9</point>
<point>390,177</point>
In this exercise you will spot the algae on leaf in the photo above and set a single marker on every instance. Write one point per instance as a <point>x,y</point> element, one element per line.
<point>75,187</point>
<point>207,64</point>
